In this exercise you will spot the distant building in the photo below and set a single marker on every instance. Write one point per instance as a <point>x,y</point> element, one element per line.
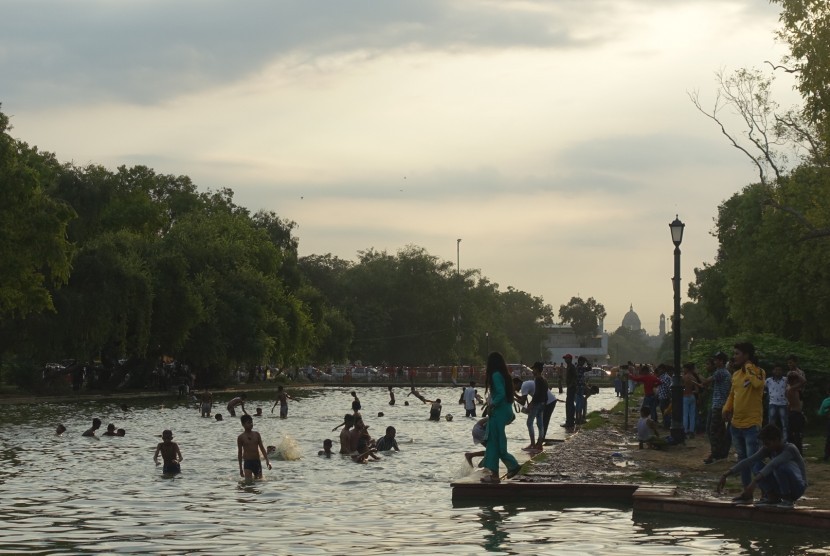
<point>562,339</point>
<point>631,320</point>
<point>662,325</point>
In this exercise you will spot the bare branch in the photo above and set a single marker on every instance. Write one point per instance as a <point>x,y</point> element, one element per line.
<point>695,98</point>
<point>785,68</point>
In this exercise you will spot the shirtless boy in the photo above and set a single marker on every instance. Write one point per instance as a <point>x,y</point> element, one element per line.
<point>249,445</point>
<point>170,453</point>
<point>96,424</point>
<point>206,404</point>
<point>282,399</point>
<point>239,400</point>
<point>345,434</point>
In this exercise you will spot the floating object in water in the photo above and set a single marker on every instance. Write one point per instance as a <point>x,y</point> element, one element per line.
<point>448,417</point>
<point>380,413</point>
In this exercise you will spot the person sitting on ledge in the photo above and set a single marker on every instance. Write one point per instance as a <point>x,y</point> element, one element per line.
<point>647,432</point>
<point>783,480</point>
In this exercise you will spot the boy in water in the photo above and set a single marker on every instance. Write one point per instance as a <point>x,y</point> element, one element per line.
<point>239,400</point>
<point>435,410</point>
<point>388,442</point>
<point>326,451</point>
<point>96,424</point>
<point>413,392</point>
<point>345,434</point>
<point>218,417</point>
<point>110,430</point>
<point>120,432</point>
<point>170,453</point>
<point>282,399</point>
<point>391,396</point>
<point>258,412</point>
<point>60,430</point>
<point>249,445</point>
<point>206,404</point>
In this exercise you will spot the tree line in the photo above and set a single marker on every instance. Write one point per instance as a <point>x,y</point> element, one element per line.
<point>105,266</point>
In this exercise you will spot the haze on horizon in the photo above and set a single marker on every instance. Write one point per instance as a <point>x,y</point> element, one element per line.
<point>556,139</point>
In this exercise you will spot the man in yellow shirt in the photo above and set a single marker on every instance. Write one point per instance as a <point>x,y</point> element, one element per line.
<point>744,407</point>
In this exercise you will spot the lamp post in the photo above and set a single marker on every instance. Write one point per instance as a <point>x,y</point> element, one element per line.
<point>488,343</point>
<point>458,256</point>
<point>677,432</point>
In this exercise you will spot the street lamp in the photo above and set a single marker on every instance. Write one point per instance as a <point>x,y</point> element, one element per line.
<point>488,343</point>
<point>458,255</point>
<point>677,432</point>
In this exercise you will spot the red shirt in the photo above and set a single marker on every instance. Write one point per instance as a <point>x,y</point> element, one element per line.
<point>649,382</point>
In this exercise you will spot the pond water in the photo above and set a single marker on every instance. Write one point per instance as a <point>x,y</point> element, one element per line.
<point>71,494</point>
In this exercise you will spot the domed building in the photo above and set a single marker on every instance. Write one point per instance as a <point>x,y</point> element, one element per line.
<point>631,320</point>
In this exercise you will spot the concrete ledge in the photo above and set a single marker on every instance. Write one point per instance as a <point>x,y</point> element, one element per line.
<point>644,499</point>
<point>524,490</point>
<point>712,509</point>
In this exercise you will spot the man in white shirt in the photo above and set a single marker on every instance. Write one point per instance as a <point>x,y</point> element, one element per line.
<point>777,407</point>
<point>470,397</point>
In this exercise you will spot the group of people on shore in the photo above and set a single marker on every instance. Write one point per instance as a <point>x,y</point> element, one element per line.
<point>767,436</point>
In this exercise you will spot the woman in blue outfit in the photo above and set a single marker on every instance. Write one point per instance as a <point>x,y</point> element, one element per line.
<point>500,386</point>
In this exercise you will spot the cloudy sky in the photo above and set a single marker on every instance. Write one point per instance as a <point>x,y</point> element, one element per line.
<point>555,137</point>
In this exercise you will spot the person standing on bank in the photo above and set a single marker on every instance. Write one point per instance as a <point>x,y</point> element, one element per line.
<point>570,393</point>
<point>720,379</point>
<point>500,386</point>
<point>744,406</point>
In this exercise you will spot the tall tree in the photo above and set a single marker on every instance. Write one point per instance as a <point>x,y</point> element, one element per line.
<point>806,28</point>
<point>584,316</point>
<point>33,245</point>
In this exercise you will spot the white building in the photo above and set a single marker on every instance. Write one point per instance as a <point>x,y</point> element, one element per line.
<point>562,339</point>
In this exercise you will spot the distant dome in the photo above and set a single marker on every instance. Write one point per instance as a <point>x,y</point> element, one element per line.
<point>631,320</point>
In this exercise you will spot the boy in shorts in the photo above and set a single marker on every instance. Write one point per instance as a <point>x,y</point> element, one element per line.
<point>249,445</point>
<point>282,399</point>
<point>170,453</point>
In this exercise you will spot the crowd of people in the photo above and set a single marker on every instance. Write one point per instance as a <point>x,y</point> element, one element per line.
<point>760,417</point>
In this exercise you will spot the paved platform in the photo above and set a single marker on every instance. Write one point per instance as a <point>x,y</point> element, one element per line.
<point>643,499</point>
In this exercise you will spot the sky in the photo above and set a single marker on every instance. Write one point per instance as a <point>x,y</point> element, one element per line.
<point>556,138</point>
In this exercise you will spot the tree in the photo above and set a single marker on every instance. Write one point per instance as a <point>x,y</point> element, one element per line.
<point>806,28</point>
<point>583,316</point>
<point>33,246</point>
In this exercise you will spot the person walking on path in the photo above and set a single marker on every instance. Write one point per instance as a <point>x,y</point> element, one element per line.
<point>500,386</point>
<point>720,379</point>
<point>744,405</point>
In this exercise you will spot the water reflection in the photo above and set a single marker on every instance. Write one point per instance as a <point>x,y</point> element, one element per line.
<point>77,495</point>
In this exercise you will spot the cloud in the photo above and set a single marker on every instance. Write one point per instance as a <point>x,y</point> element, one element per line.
<point>147,51</point>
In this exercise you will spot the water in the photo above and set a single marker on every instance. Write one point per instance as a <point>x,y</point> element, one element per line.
<point>78,495</point>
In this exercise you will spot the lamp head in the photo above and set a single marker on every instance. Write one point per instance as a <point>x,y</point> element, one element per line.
<point>676,228</point>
